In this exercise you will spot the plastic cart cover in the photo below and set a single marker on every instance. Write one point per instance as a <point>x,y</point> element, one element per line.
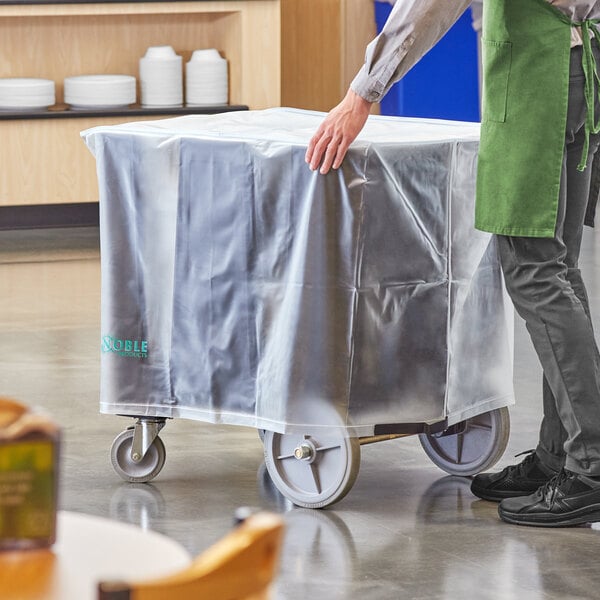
<point>240,287</point>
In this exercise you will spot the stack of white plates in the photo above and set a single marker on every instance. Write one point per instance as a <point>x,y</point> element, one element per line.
<point>206,78</point>
<point>100,91</point>
<point>161,77</point>
<point>25,93</point>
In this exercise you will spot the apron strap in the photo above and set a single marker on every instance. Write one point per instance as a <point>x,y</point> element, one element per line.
<point>588,28</point>
<point>592,82</point>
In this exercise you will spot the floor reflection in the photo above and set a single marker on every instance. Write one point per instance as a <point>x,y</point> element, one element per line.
<point>318,547</point>
<point>140,504</point>
<point>448,498</point>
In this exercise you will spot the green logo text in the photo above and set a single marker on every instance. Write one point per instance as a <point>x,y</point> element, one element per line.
<point>128,348</point>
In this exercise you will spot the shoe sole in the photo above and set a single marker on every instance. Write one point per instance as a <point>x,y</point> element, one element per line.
<point>590,514</point>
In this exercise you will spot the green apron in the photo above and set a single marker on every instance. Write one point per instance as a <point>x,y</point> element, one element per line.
<point>525,113</point>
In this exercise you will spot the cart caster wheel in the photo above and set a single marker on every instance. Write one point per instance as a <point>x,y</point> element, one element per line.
<point>313,471</point>
<point>144,470</point>
<point>478,446</point>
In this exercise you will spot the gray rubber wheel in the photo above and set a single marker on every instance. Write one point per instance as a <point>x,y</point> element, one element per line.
<point>323,476</point>
<point>141,472</point>
<point>478,447</point>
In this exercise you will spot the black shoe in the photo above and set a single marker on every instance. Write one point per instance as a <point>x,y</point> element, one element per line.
<point>517,480</point>
<point>568,499</point>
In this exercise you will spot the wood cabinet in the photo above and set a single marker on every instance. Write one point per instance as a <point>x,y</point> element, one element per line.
<point>300,53</point>
<point>322,47</point>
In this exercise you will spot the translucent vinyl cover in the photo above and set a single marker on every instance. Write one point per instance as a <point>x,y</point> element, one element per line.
<point>240,287</point>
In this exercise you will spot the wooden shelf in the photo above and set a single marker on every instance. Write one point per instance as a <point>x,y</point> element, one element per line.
<point>20,2</point>
<point>297,53</point>
<point>45,161</point>
<point>64,112</point>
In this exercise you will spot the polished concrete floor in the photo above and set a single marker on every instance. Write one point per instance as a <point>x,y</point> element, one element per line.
<point>405,530</point>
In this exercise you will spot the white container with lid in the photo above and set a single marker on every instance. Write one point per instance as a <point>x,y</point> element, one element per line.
<point>206,78</point>
<point>161,77</point>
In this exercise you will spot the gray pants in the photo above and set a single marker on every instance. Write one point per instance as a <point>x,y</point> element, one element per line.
<point>544,282</point>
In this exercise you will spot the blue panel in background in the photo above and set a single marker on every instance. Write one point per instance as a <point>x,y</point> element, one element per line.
<point>444,84</point>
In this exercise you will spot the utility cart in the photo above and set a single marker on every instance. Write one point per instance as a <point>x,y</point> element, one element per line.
<point>239,287</point>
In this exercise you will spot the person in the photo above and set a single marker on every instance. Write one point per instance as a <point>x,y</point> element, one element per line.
<point>539,137</point>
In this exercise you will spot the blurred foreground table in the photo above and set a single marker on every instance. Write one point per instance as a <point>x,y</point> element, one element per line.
<point>89,549</point>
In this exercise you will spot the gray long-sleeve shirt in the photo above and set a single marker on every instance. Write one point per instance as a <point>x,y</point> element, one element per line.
<point>414,26</point>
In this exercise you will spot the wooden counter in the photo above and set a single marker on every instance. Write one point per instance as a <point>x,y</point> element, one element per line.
<point>300,53</point>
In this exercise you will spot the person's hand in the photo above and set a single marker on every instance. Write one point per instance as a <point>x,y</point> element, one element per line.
<point>337,131</point>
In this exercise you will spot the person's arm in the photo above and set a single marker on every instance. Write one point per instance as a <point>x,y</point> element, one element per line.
<point>413,27</point>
